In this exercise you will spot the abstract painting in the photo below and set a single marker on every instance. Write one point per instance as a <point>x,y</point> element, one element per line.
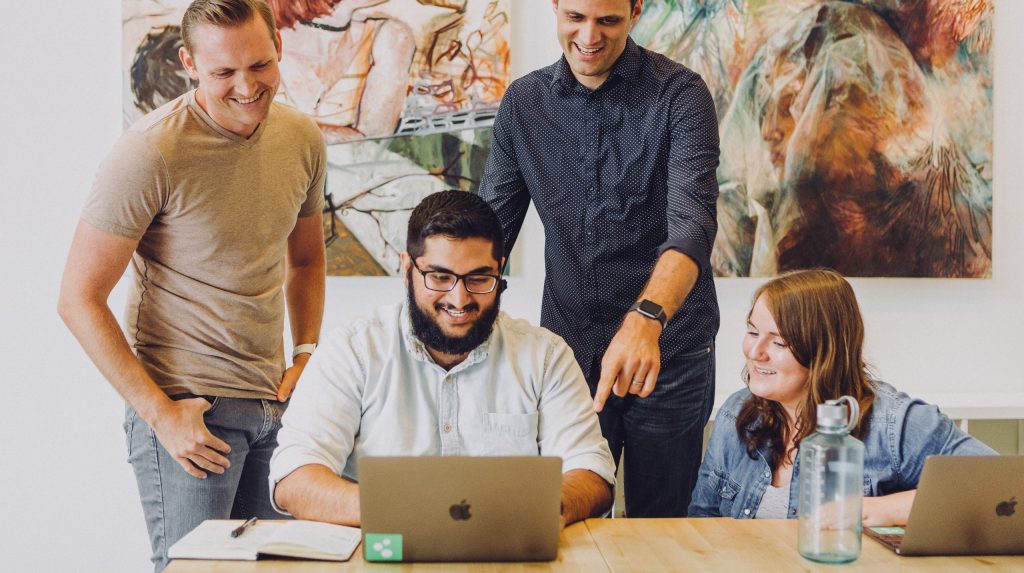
<point>855,135</point>
<point>404,92</point>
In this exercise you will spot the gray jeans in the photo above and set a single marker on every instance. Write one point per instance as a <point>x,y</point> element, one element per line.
<point>175,502</point>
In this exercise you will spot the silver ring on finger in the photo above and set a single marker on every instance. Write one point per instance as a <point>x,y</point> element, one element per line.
<point>636,383</point>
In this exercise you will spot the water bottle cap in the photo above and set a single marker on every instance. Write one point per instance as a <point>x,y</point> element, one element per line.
<point>832,414</point>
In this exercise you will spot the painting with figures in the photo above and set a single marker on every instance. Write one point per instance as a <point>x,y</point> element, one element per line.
<point>404,92</point>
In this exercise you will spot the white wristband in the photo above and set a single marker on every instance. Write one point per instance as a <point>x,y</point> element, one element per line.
<point>307,348</point>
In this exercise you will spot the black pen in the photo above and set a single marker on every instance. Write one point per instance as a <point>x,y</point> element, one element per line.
<point>241,528</point>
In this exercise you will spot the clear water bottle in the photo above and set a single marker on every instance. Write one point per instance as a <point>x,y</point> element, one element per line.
<point>832,486</point>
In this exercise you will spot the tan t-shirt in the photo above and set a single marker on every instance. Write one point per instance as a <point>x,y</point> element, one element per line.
<point>212,212</point>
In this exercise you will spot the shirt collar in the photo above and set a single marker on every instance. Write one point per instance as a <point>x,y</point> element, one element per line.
<point>419,351</point>
<point>630,63</point>
<point>193,104</point>
<point>627,67</point>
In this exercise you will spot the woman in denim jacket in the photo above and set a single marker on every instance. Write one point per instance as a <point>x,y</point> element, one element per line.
<point>803,346</point>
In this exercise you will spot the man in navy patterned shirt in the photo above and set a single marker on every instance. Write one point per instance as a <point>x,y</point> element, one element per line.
<point>617,147</point>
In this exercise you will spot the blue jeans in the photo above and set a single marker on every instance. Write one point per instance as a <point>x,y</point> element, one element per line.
<point>174,502</point>
<point>662,435</point>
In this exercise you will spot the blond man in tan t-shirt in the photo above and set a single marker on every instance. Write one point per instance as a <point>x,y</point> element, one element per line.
<point>215,199</point>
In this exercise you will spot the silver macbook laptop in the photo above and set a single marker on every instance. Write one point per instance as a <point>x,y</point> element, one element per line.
<point>965,505</point>
<point>460,508</point>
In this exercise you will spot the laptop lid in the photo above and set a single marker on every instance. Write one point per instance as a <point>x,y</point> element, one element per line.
<point>460,508</point>
<point>967,505</point>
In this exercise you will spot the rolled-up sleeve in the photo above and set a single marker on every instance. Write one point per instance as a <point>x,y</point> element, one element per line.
<point>568,425</point>
<point>323,415</point>
<point>692,178</point>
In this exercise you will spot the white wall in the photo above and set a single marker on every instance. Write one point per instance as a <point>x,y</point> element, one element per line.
<point>69,501</point>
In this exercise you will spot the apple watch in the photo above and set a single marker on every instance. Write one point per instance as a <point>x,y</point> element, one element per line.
<point>307,348</point>
<point>650,309</point>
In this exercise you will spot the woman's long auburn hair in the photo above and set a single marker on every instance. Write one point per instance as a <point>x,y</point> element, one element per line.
<point>817,314</point>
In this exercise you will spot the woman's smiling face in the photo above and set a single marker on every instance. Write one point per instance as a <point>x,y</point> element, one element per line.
<point>774,372</point>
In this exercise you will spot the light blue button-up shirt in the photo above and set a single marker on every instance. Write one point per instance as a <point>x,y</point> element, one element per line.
<point>371,389</point>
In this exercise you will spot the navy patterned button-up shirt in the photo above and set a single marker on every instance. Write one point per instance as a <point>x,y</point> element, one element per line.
<point>618,175</point>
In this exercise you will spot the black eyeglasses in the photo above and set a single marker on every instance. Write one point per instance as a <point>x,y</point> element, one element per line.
<point>443,281</point>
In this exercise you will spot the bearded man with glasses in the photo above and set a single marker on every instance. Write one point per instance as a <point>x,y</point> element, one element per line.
<point>446,373</point>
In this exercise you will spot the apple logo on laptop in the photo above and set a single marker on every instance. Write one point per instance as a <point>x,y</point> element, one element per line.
<point>1005,508</point>
<point>460,511</point>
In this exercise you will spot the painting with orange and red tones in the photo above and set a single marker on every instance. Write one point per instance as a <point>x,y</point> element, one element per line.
<point>855,135</point>
<point>404,91</point>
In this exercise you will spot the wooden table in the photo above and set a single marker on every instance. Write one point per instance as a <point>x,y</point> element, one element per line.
<point>749,545</point>
<point>642,545</point>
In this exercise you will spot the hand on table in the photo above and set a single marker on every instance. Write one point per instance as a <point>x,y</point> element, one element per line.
<point>893,509</point>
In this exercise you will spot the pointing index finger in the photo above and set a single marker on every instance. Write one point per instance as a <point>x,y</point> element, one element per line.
<point>604,387</point>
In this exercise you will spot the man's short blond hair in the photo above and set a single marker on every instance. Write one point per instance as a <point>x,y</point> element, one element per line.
<point>225,13</point>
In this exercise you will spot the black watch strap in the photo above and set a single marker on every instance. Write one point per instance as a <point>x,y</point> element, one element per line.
<point>650,309</point>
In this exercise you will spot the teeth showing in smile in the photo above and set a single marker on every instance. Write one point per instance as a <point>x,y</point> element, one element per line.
<point>763,371</point>
<point>250,100</point>
<point>587,51</point>
<point>455,313</point>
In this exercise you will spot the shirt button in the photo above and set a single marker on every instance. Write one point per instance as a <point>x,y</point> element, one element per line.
<point>746,511</point>
<point>447,428</point>
<point>767,474</point>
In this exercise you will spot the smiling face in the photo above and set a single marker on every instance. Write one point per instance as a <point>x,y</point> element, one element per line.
<point>452,323</point>
<point>593,35</point>
<point>236,67</point>
<point>774,373</point>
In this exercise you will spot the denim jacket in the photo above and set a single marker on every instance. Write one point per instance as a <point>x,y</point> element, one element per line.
<point>901,433</point>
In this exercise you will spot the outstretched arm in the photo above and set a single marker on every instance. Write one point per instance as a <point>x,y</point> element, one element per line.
<point>633,354</point>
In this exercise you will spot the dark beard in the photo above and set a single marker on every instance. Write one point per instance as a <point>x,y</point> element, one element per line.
<point>426,329</point>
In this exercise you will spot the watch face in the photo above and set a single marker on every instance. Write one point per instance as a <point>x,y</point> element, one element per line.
<point>651,309</point>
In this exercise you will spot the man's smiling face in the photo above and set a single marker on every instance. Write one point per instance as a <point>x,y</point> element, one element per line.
<point>236,67</point>
<point>452,323</point>
<point>593,35</point>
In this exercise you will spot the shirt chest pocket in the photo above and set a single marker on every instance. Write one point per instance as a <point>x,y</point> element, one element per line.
<point>726,490</point>
<point>723,486</point>
<point>502,434</point>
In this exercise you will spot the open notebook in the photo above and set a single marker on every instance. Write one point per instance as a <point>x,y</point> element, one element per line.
<point>301,539</point>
